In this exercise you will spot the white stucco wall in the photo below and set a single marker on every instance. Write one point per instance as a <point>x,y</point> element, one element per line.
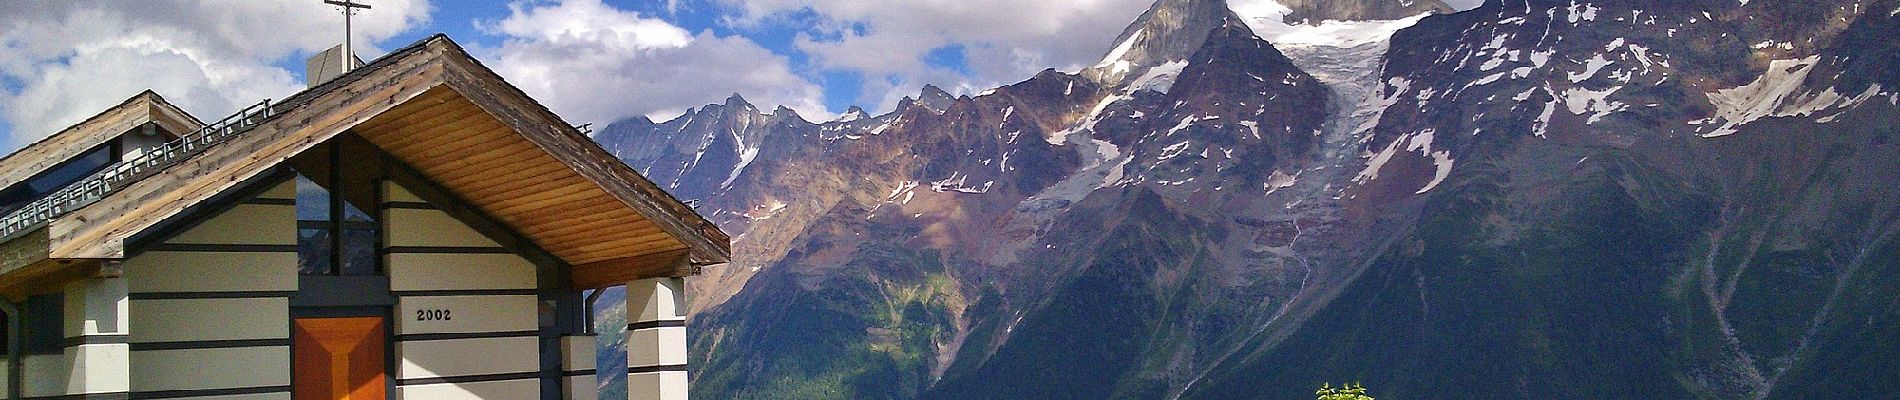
<point>210,320</point>
<point>459,272</point>
<point>467,357</point>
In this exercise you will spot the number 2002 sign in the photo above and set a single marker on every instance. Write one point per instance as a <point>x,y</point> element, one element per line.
<point>433,315</point>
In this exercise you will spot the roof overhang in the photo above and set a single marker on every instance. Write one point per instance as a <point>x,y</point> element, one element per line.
<point>437,109</point>
<point>136,111</point>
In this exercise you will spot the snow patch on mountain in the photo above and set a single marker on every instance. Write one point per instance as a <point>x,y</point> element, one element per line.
<point>1173,150</point>
<point>1087,123</point>
<point>745,158</point>
<point>902,189</point>
<point>1779,92</point>
<point>1597,103</point>
<point>853,114</point>
<point>957,183</point>
<point>1542,124</point>
<point>1441,160</point>
<point>1590,68</point>
<point>1267,18</point>
<point>1581,12</point>
<point>1114,62</point>
<point>1420,142</point>
<point>765,211</point>
<point>1281,180</point>
<point>1159,78</point>
<point>747,152</point>
<point>1104,166</point>
<point>1346,56</point>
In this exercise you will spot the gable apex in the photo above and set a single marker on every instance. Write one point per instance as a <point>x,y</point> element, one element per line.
<point>437,109</point>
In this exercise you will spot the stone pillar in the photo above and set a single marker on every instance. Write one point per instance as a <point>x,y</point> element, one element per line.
<point>96,312</point>
<point>656,339</point>
<point>577,360</point>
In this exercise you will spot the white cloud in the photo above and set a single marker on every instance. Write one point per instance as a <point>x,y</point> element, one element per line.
<point>1462,5</point>
<point>590,23</point>
<point>1004,40</point>
<point>594,63</point>
<point>71,59</point>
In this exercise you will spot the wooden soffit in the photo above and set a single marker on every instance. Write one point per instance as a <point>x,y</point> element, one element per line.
<point>487,164</point>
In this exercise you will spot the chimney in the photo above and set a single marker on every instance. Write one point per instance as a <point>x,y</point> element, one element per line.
<point>326,65</point>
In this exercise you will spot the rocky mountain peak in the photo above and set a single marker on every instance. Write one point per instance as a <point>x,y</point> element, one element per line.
<point>737,101</point>
<point>1171,30</point>
<point>783,112</point>
<point>1313,12</point>
<point>1247,196</point>
<point>935,98</point>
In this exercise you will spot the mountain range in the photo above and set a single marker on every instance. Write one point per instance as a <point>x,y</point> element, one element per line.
<point>1575,199</point>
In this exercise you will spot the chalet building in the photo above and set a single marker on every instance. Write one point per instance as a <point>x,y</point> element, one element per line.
<point>414,228</point>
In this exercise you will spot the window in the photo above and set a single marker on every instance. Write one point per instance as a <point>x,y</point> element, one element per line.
<point>338,232</point>
<point>314,244</point>
<point>590,310</point>
<point>58,177</point>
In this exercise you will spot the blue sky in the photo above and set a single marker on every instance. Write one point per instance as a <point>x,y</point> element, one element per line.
<point>592,61</point>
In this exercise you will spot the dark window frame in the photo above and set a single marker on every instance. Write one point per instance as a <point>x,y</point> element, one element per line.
<point>25,187</point>
<point>336,222</point>
<point>588,308</point>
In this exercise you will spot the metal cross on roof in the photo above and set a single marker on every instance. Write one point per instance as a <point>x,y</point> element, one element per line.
<point>349,8</point>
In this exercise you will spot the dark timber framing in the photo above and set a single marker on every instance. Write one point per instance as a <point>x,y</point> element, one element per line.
<point>191,217</point>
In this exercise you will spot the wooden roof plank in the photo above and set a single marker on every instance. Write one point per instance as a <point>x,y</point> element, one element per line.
<point>514,170</point>
<point>446,117</point>
<point>595,229</point>
<point>97,231</point>
<point>458,148</point>
<point>447,171</point>
<point>604,274</point>
<point>475,154</point>
<point>514,108</point>
<point>531,170</point>
<point>413,111</point>
<point>591,205</point>
<point>97,129</point>
<point>544,193</point>
<point>625,245</point>
<point>570,223</point>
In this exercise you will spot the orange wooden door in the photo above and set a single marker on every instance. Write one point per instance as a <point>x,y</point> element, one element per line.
<point>338,358</point>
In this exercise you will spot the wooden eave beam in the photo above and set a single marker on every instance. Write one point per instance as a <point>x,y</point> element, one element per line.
<point>23,251</point>
<point>509,105</point>
<point>98,231</point>
<point>46,277</point>
<point>597,275</point>
<point>173,119</point>
<point>69,142</point>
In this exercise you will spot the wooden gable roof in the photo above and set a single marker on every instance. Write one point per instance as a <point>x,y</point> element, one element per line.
<point>135,111</point>
<point>437,109</point>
